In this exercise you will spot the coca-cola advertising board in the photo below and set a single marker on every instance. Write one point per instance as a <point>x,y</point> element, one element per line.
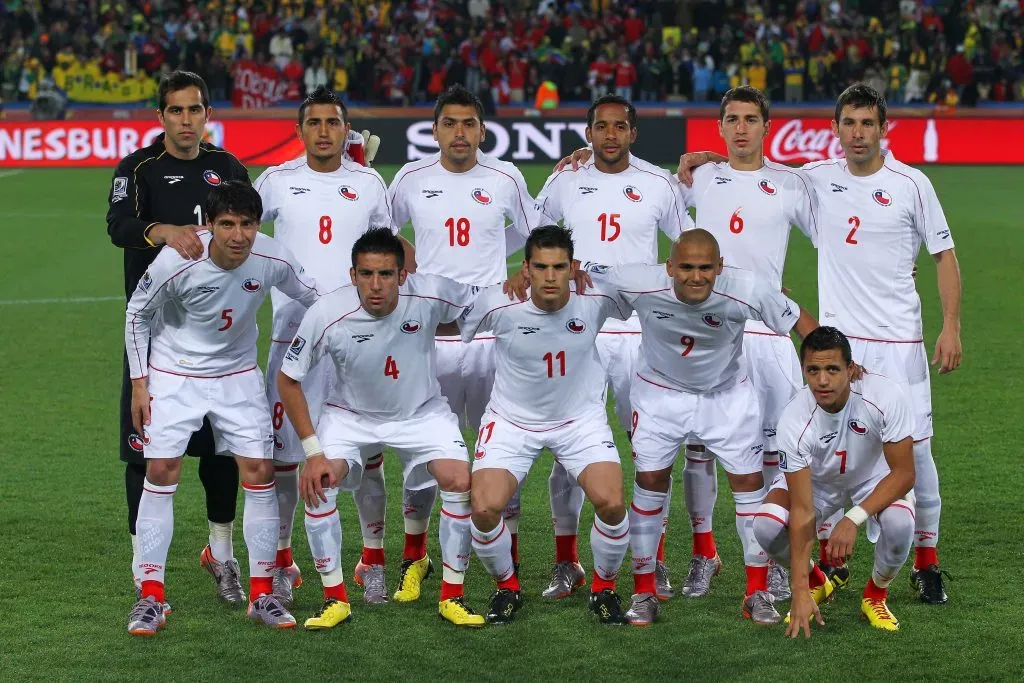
<point>911,140</point>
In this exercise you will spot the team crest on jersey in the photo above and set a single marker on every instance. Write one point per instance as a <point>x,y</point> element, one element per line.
<point>411,326</point>
<point>712,320</point>
<point>251,285</point>
<point>136,442</point>
<point>348,193</point>
<point>881,197</point>
<point>767,187</point>
<point>480,454</point>
<point>857,428</point>
<point>632,194</point>
<point>146,281</point>
<point>278,443</point>
<point>480,196</point>
<point>212,177</point>
<point>575,325</point>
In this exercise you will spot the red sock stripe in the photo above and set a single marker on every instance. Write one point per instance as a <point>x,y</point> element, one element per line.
<point>648,513</point>
<point>375,462</point>
<point>614,538</point>
<point>315,515</point>
<point>448,514</point>
<point>161,493</point>
<point>286,468</point>
<point>482,542</point>
<point>258,487</point>
<point>771,463</point>
<point>770,516</point>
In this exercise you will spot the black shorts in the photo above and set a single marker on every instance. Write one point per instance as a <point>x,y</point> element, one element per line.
<point>200,445</point>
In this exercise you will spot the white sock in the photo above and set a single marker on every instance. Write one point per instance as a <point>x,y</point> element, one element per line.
<point>416,508</point>
<point>454,535</point>
<point>494,549</point>
<point>645,527</point>
<point>700,484</point>
<point>260,525</point>
<point>221,544</point>
<point>747,505</point>
<point>566,501</point>
<point>927,503</point>
<point>665,510</point>
<point>287,479</point>
<point>371,500</point>
<point>323,530</point>
<point>771,531</point>
<point>154,529</point>
<point>609,544</point>
<point>894,542</point>
<point>135,557</point>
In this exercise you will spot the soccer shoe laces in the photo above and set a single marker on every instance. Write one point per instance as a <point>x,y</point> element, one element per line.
<point>328,603</point>
<point>880,609</point>
<point>461,602</point>
<point>145,609</point>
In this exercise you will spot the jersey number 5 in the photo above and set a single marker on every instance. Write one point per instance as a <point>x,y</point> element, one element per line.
<point>225,315</point>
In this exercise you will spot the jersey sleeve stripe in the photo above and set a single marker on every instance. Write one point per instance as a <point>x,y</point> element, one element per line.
<point>738,300</point>
<point>671,190</point>
<point>811,417</point>
<point>410,172</point>
<point>434,298</point>
<point>283,167</point>
<point>274,258</point>
<point>880,411</point>
<point>807,189</point>
<point>920,199</point>
<point>519,194</point>
<point>321,338</point>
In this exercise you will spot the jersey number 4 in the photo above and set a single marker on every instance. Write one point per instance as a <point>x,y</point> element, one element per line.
<point>391,368</point>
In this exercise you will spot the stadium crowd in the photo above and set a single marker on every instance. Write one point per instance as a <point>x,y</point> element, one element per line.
<point>406,51</point>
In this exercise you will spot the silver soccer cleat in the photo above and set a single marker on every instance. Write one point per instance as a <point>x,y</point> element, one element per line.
<point>565,578</point>
<point>375,591</point>
<point>778,582</point>
<point>226,575</point>
<point>166,605</point>
<point>698,581</point>
<point>643,610</point>
<point>267,609</point>
<point>759,607</point>
<point>664,585</point>
<point>286,579</point>
<point>146,618</point>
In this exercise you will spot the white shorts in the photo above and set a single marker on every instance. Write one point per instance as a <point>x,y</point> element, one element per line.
<point>775,371</point>
<point>433,434</point>
<point>466,375</point>
<point>906,363</point>
<point>316,386</point>
<point>236,405</point>
<point>619,349</point>
<point>506,445</point>
<point>727,423</point>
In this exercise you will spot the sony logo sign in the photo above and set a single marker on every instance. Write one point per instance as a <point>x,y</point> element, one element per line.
<point>529,139</point>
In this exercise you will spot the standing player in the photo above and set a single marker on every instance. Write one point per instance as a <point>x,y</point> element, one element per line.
<point>157,199</point>
<point>840,442</point>
<point>320,204</point>
<point>548,393</point>
<point>199,319</point>
<point>459,201</point>
<point>614,204</point>
<point>691,386</point>
<point>379,336</point>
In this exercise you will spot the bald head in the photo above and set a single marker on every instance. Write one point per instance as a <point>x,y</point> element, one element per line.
<point>697,239</point>
<point>694,265</point>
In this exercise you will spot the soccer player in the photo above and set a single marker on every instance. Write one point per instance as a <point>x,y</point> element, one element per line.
<point>875,212</point>
<point>841,442</point>
<point>157,199</point>
<point>691,386</point>
<point>320,203</point>
<point>190,336</point>
<point>549,392</point>
<point>614,203</point>
<point>379,337</point>
<point>459,201</point>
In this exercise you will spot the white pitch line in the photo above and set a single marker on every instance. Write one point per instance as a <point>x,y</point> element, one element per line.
<point>65,300</point>
<point>8,174</point>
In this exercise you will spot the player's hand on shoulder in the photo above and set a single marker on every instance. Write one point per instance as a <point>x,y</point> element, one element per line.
<point>857,372</point>
<point>515,287</point>
<point>581,277</point>
<point>801,610</point>
<point>577,159</point>
<point>181,238</point>
<point>691,160</point>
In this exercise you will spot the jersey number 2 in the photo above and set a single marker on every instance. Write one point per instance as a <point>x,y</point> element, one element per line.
<point>391,368</point>
<point>855,222</point>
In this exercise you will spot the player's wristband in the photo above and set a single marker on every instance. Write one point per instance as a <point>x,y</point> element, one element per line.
<point>857,515</point>
<point>311,445</point>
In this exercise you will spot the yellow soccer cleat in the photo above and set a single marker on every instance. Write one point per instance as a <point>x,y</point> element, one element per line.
<point>821,595</point>
<point>333,612</point>
<point>414,572</point>
<point>878,614</point>
<point>459,613</point>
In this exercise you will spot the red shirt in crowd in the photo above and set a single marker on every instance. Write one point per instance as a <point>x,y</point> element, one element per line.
<point>625,75</point>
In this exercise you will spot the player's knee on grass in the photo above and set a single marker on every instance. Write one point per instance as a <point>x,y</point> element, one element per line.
<point>771,531</point>
<point>451,475</point>
<point>746,482</point>
<point>255,470</point>
<point>163,471</point>
<point>655,480</point>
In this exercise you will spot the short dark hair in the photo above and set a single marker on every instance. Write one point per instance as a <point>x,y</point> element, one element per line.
<point>379,241</point>
<point>745,93</point>
<point>612,99</point>
<point>825,339</point>
<point>323,95</point>
<point>233,196</point>
<point>862,95</point>
<point>179,80</point>
<point>549,237</point>
<point>458,94</point>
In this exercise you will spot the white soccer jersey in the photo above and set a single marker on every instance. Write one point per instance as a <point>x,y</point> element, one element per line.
<point>318,216</point>
<point>207,324</point>
<point>386,367</point>
<point>695,348</point>
<point>459,218</point>
<point>844,449</point>
<point>615,216</point>
<point>870,233</point>
<point>547,367</point>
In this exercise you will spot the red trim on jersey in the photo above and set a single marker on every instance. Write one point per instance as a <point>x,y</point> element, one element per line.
<point>652,291</point>
<point>498,308</point>
<point>448,514</point>
<point>658,385</point>
<point>897,504</point>
<point>887,341</point>
<point>321,516</point>
<point>766,334</point>
<point>770,516</point>
<point>459,341</point>
<point>746,514</point>
<point>477,540</point>
<point>671,190</point>
<point>360,169</point>
<point>434,298</point>
<point>335,405</point>
<point>646,513</point>
<point>527,429</point>
<point>519,194</point>
<point>882,412</point>
<point>614,538</point>
<point>274,258</point>
<point>811,417</point>
<point>435,161</point>
<point>258,487</point>
<point>807,189</point>
<point>135,315</point>
<point>715,291</point>
<point>927,438</point>
<point>181,374</point>
<point>280,168</point>
<point>281,341</point>
<point>920,199</point>
<point>321,338</point>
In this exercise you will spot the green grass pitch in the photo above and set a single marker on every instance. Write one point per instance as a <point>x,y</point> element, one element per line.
<point>65,556</point>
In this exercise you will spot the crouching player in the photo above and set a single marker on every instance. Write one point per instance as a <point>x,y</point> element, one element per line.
<point>546,350</point>
<point>841,442</point>
<point>197,360</point>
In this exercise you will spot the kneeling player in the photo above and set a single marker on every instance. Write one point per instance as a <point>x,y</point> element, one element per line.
<point>546,354</point>
<point>840,442</point>
<point>202,353</point>
<point>380,336</point>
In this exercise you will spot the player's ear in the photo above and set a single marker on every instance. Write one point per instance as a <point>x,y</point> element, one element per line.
<point>835,128</point>
<point>402,275</point>
<point>433,129</point>
<point>767,129</point>
<point>352,274</point>
<point>590,138</point>
<point>885,129</point>
<point>632,134</point>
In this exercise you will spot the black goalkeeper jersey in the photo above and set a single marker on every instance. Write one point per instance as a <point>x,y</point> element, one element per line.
<point>150,186</point>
